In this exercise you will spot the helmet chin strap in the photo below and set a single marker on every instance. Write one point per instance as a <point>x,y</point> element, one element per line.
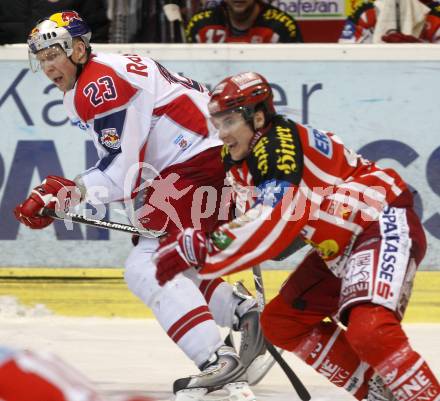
<point>258,133</point>
<point>79,68</point>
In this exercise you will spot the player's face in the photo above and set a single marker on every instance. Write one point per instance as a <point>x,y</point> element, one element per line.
<point>235,133</point>
<point>241,8</point>
<point>57,67</point>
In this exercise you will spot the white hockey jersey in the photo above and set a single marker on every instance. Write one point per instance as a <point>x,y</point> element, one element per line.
<point>138,113</point>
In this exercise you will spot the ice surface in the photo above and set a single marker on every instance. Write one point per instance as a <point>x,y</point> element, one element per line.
<point>134,356</point>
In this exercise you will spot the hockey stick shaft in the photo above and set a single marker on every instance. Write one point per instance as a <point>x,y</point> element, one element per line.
<point>258,280</point>
<point>109,225</point>
<point>291,375</point>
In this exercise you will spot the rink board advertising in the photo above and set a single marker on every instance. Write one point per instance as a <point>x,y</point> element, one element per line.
<point>386,109</point>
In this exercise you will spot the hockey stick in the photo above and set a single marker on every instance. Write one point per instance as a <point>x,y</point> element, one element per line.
<point>256,270</point>
<point>109,225</point>
<point>291,375</point>
<point>397,10</point>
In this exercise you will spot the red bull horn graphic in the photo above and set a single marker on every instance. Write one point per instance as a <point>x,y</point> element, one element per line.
<point>69,15</point>
<point>64,18</point>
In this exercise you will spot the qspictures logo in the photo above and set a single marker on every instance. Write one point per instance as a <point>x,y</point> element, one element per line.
<point>305,9</point>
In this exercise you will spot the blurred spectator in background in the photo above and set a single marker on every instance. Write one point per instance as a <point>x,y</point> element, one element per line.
<point>128,19</point>
<point>400,21</point>
<point>144,21</point>
<point>250,21</point>
<point>40,376</point>
<point>18,17</point>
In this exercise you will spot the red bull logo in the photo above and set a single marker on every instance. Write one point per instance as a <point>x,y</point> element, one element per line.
<point>64,18</point>
<point>110,138</point>
<point>69,16</point>
<point>33,36</point>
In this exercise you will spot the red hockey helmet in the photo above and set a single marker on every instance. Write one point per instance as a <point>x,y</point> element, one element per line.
<point>242,92</point>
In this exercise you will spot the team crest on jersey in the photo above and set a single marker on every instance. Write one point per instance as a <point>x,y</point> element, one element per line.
<point>110,138</point>
<point>327,249</point>
<point>182,142</point>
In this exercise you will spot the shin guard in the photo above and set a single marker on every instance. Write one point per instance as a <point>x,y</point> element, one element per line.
<point>328,352</point>
<point>409,377</point>
<point>321,344</point>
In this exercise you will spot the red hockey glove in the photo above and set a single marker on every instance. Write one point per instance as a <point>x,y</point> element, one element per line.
<point>56,193</point>
<point>399,37</point>
<point>178,253</point>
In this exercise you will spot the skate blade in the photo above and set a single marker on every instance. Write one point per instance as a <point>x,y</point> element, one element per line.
<point>239,391</point>
<point>259,368</point>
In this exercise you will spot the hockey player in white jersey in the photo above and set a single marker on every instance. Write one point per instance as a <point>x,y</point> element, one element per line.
<point>152,133</point>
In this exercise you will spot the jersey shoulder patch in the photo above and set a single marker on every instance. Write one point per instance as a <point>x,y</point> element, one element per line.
<point>320,141</point>
<point>100,90</point>
<point>278,154</point>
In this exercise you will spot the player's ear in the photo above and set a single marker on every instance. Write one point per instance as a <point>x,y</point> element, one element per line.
<point>259,119</point>
<point>79,54</point>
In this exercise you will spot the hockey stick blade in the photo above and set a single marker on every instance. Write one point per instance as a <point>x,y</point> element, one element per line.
<point>109,225</point>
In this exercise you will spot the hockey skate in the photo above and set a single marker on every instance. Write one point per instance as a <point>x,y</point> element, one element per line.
<point>223,371</point>
<point>253,353</point>
<point>377,391</point>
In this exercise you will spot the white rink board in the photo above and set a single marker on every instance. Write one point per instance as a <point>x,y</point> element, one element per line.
<point>382,99</point>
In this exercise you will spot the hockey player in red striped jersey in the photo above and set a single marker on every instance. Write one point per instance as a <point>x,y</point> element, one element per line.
<point>245,21</point>
<point>41,376</point>
<point>294,181</point>
<point>152,132</point>
<point>360,25</point>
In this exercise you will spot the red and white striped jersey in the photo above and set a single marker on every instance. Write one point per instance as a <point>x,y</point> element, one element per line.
<point>137,111</point>
<point>298,180</point>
